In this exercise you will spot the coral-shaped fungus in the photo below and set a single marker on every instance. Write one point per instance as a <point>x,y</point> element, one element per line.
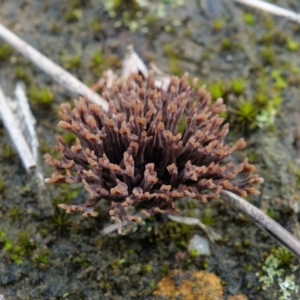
<point>133,155</point>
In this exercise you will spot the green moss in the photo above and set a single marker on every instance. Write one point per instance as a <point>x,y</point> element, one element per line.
<point>2,236</point>
<point>2,185</point>
<point>194,253</point>
<point>181,124</point>
<point>249,268</point>
<point>276,37</point>
<point>205,265</point>
<point>187,33</point>
<point>151,19</point>
<point>68,193</point>
<point>280,83</point>
<point>298,176</point>
<point>71,195</point>
<point>284,256</point>
<point>267,55</point>
<point>128,9</point>
<point>148,268</point>
<point>73,15</point>
<point>16,259</point>
<point>164,269</point>
<point>45,148</point>
<point>69,138</point>
<point>97,60</point>
<point>40,96</point>
<point>60,221</point>
<point>292,45</point>
<point>226,44</point>
<point>7,151</point>
<point>25,242</point>
<point>25,190</point>
<point>238,85</point>
<point>130,5</point>
<point>71,62</point>
<point>218,24</point>
<point>175,68</point>
<point>185,229</point>
<point>268,22</point>
<point>18,249</point>
<point>208,220</point>
<point>41,258</point>
<point>144,16</point>
<point>272,215</point>
<point>22,75</point>
<point>96,28</point>
<point>217,89</point>
<point>249,19</point>
<point>152,285</point>
<point>55,29</point>
<point>261,98</point>
<point>169,51</point>
<point>81,260</point>
<point>246,113</point>
<point>119,263</point>
<point>224,115</point>
<point>5,52</point>
<point>44,232</point>
<point>206,54</point>
<point>169,29</point>
<point>15,213</point>
<point>76,3</point>
<point>252,157</point>
<point>8,245</point>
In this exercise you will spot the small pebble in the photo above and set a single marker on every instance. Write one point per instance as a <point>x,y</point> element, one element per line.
<point>199,244</point>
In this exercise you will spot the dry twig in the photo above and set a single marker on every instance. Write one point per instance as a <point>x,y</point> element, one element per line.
<point>264,222</point>
<point>12,126</point>
<point>56,72</point>
<point>272,9</point>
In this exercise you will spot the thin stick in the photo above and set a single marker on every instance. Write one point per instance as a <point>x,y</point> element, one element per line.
<point>132,63</point>
<point>9,121</point>
<point>56,72</point>
<point>28,119</point>
<point>263,221</point>
<point>271,8</point>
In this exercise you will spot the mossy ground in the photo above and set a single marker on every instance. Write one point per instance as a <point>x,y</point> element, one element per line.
<point>251,59</point>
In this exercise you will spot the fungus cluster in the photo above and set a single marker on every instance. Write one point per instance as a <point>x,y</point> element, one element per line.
<point>134,154</point>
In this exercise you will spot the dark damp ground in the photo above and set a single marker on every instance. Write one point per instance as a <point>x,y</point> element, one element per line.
<point>250,58</point>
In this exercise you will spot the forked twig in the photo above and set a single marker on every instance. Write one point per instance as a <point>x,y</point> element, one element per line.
<point>20,125</point>
<point>16,135</point>
<point>55,71</point>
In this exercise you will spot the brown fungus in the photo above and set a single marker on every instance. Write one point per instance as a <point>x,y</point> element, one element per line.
<point>133,155</point>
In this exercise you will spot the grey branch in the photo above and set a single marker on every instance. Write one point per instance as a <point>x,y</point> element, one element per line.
<point>56,72</point>
<point>263,221</point>
<point>272,9</point>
